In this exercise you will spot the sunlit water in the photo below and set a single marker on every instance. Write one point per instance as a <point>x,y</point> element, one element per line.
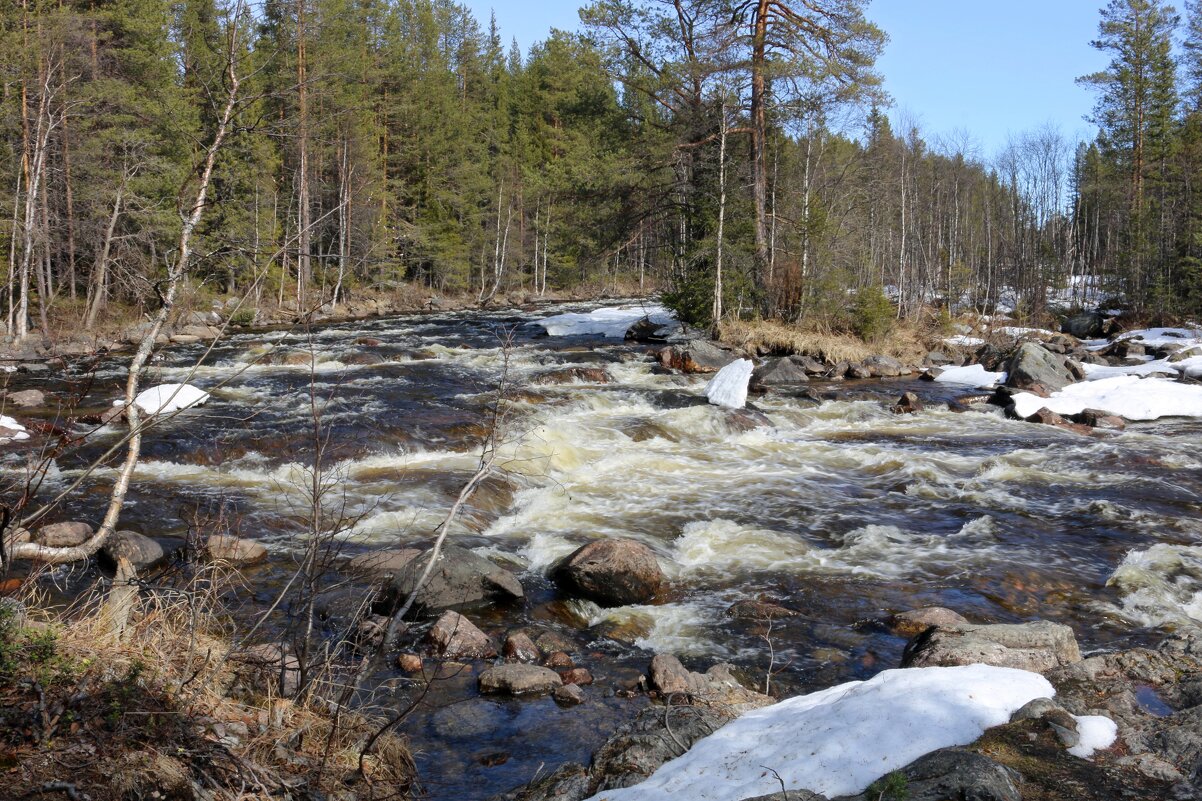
<point>838,509</point>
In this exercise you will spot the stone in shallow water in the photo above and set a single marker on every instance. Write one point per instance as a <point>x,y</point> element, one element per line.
<point>612,572</point>
<point>1038,647</point>
<point>519,679</point>
<point>458,638</point>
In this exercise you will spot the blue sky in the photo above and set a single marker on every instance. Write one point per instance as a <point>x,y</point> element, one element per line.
<point>989,67</point>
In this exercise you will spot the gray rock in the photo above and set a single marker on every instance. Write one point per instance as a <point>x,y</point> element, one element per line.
<point>1039,646</point>
<point>519,647</point>
<point>916,621</point>
<point>518,679</point>
<point>63,535</point>
<point>459,577</point>
<point>659,734</point>
<point>569,783</point>
<point>569,695</point>
<point>1088,325</point>
<point>779,372</point>
<point>235,550</point>
<point>953,773</point>
<point>27,398</point>
<point>456,637</point>
<point>382,563</point>
<point>696,356</point>
<point>1032,366</point>
<point>611,572</point>
<point>884,367</point>
<point>140,550</point>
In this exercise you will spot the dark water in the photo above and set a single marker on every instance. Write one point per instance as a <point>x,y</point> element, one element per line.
<point>838,509</point>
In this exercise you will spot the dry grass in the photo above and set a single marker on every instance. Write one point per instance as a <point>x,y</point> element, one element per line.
<point>161,712</point>
<point>905,342</point>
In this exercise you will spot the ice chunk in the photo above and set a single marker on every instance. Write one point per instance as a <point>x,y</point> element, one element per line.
<point>1096,731</point>
<point>168,398</point>
<point>729,387</point>
<point>612,322</point>
<point>1127,396</point>
<point>974,375</point>
<point>838,741</point>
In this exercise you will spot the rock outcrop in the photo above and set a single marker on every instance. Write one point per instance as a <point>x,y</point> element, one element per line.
<point>612,572</point>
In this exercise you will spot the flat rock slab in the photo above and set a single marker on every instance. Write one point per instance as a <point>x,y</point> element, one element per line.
<point>235,550</point>
<point>518,679</point>
<point>1039,646</point>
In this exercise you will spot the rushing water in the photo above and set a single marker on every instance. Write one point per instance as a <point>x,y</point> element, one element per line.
<point>838,508</point>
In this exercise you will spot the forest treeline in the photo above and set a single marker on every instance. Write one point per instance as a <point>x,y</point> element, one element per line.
<point>735,153</point>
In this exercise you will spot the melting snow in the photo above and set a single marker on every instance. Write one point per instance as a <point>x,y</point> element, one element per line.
<point>729,387</point>
<point>168,398</point>
<point>838,741</point>
<point>964,341</point>
<point>1126,395</point>
<point>612,322</point>
<point>974,375</point>
<point>19,430</point>
<point>1097,732</point>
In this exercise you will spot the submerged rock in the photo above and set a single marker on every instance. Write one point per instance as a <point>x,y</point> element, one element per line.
<point>568,375</point>
<point>1038,647</point>
<point>383,563</point>
<point>613,572</point>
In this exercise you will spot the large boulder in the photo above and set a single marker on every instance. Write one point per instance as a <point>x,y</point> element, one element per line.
<point>1088,325</point>
<point>885,367</point>
<point>519,679</point>
<point>614,572</point>
<point>778,372</point>
<point>1034,367</point>
<point>1039,646</point>
<point>696,356</point>
<point>459,577</point>
<point>140,550</point>
<point>456,637</point>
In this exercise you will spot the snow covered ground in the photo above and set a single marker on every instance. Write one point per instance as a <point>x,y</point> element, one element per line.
<point>612,322</point>
<point>729,387</point>
<point>840,740</point>
<point>168,398</point>
<point>1128,396</point>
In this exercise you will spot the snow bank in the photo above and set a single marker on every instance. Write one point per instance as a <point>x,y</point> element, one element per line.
<point>839,741</point>
<point>1126,395</point>
<point>1096,731</point>
<point>19,433</point>
<point>964,341</point>
<point>1096,372</point>
<point>974,375</point>
<point>612,322</point>
<point>168,398</point>
<point>729,387</point>
<point>1157,337</point>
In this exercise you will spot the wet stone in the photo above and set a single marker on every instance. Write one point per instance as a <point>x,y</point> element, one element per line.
<point>517,679</point>
<point>457,637</point>
<point>518,646</point>
<point>568,695</point>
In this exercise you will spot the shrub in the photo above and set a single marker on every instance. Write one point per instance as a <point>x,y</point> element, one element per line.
<point>873,316</point>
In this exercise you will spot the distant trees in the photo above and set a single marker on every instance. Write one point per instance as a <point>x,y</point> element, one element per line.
<point>732,152</point>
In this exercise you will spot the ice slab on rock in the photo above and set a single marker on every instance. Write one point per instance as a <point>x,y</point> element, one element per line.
<point>18,431</point>
<point>612,322</point>
<point>168,398</point>
<point>729,387</point>
<point>973,375</point>
<point>838,741</point>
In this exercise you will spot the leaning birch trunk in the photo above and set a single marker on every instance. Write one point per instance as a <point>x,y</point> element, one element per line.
<point>175,275</point>
<point>717,311</point>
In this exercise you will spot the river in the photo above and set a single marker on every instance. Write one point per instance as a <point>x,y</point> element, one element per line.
<point>838,509</point>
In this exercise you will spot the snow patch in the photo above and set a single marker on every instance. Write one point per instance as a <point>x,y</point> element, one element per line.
<point>18,434</point>
<point>838,741</point>
<point>964,341</point>
<point>612,322</point>
<point>1125,395</point>
<point>168,398</point>
<point>728,388</point>
<point>974,375</point>
<point>1097,732</point>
